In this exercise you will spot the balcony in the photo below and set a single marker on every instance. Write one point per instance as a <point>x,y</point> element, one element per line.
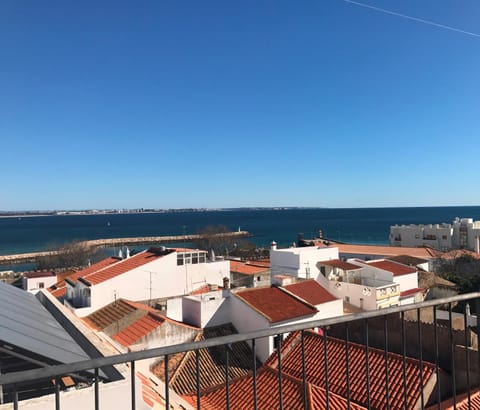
<point>388,359</point>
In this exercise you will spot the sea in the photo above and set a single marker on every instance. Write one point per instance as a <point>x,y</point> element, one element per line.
<point>352,225</point>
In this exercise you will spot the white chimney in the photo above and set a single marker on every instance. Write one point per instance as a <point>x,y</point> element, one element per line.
<point>120,254</point>
<point>127,253</point>
<point>477,244</point>
<point>273,246</point>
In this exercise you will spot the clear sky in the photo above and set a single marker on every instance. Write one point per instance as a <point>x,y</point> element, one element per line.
<point>174,104</point>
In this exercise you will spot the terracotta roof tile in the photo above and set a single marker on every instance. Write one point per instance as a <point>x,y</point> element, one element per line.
<point>122,267</point>
<point>138,329</point>
<point>241,394</point>
<point>60,288</point>
<point>274,304</point>
<point>424,253</point>
<point>336,354</point>
<point>394,267</point>
<point>113,312</point>
<point>411,292</point>
<point>461,402</point>
<point>212,363</point>
<point>38,274</point>
<point>247,268</point>
<point>311,292</point>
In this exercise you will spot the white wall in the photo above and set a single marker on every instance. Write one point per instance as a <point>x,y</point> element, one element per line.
<point>165,335</point>
<point>407,282</point>
<point>245,319</point>
<point>206,310</point>
<point>34,283</point>
<point>297,261</point>
<point>160,278</point>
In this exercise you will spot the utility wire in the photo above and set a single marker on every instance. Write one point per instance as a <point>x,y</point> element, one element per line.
<point>418,20</point>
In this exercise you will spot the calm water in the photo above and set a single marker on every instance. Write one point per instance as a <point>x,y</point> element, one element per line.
<point>364,225</point>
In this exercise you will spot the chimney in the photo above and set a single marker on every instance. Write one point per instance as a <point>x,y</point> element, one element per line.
<point>273,246</point>
<point>120,254</point>
<point>226,283</point>
<point>127,253</point>
<point>477,244</point>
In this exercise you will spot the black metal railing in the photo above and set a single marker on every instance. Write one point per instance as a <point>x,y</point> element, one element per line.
<point>377,330</point>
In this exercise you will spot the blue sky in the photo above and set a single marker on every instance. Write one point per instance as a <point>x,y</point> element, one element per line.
<point>173,104</point>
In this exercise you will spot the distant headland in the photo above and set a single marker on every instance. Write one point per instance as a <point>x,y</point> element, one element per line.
<point>25,214</point>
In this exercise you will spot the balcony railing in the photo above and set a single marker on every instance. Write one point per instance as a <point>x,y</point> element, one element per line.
<point>375,329</point>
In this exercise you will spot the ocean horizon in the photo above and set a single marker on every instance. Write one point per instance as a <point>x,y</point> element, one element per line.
<point>282,224</point>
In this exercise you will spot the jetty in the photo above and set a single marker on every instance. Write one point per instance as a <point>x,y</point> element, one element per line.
<point>33,257</point>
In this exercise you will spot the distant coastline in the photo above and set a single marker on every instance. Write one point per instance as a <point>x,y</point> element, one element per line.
<point>28,214</point>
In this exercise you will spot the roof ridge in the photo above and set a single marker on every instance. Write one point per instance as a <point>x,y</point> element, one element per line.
<point>184,359</point>
<point>296,296</point>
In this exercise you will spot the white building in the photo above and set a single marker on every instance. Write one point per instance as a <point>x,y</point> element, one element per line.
<point>270,307</point>
<point>38,280</point>
<point>300,262</point>
<point>152,274</point>
<point>358,285</point>
<point>406,277</point>
<point>463,233</point>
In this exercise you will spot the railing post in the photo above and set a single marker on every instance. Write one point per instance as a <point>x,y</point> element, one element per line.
<point>467,351</point>
<point>279,355</point>
<point>304,370</point>
<point>452,351</point>
<point>367,366</point>
<point>15,399</point>
<point>387,374</point>
<point>437,367</point>
<point>227,375</point>
<point>325,365</point>
<point>132,384</point>
<point>97,406</point>
<point>197,376</point>
<point>420,348</point>
<point>347,363</point>
<point>57,393</point>
<point>167,389</point>
<point>254,354</point>
<point>404,362</point>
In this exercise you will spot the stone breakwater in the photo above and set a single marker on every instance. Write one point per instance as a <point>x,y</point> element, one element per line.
<point>111,242</point>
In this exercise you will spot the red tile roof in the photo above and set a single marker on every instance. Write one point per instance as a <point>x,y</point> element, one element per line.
<point>247,268</point>
<point>461,402</point>
<point>311,292</point>
<point>274,304</point>
<point>241,394</point>
<point>337,263</point>
<point>60,288</point>
<point>411,292</point>
<point>139,329</point>
<point>424,253</point>
<point>336,354</point>
<point>394,267</point>
<point>182,366</point>
<point>38,274</point>
<point>149,394</point>
<point>123,266</point>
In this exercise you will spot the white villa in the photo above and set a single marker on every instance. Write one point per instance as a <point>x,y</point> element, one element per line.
<point>462,233</point>
<point>152,274</point>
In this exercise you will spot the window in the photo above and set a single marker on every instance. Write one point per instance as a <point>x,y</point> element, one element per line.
<point>258,278</point>
<point>322,269</point>
<point>179,260</point>
<point>202,258</point>
<point>41,285</point>
<point>444,237</point>
<point>347,299</point>
<point>195,258</point>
